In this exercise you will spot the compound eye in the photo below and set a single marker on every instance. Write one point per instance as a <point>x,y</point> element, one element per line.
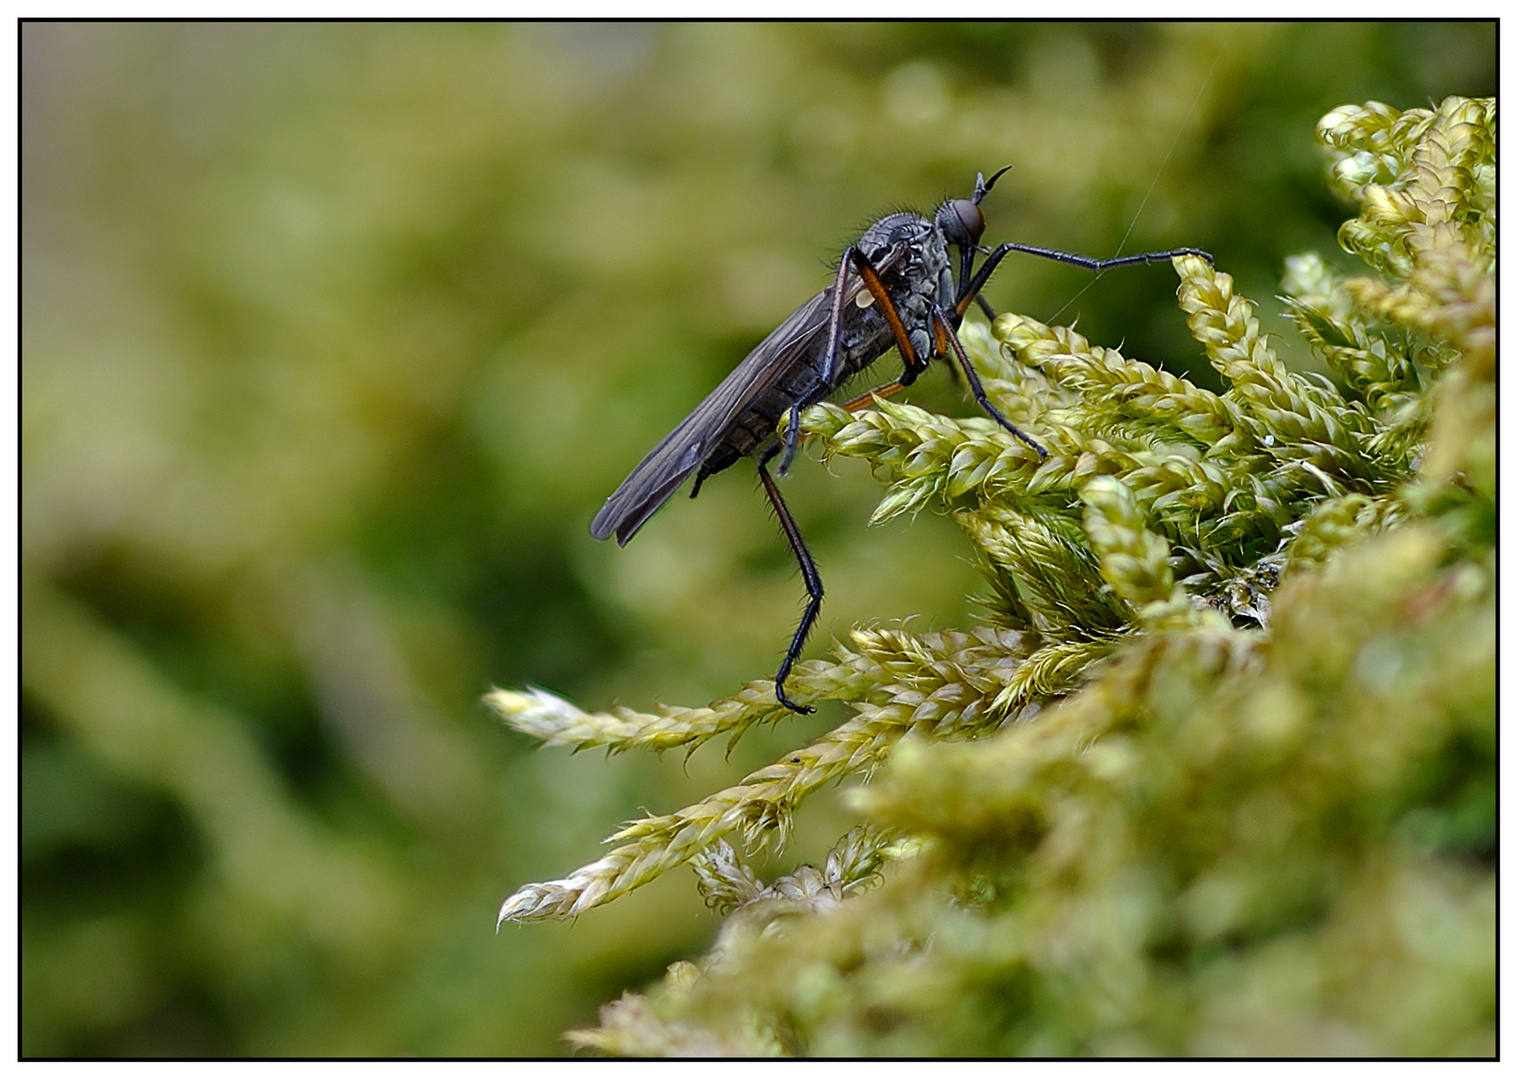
<point>970,218</point>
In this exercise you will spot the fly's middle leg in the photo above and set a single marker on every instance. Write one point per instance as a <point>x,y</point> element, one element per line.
<point>809,576</point>
<point>792,437</point>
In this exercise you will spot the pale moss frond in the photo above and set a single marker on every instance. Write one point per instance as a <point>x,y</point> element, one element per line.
<point>1369,140</point>
<point>946,685</point>
<point>1372,361</point>
<point>558,723</point>
<point>922,456</point>
<point>1335,523</point>
<point>1052,671</point>
<point>1296,414</point>
<point>757,809</point>
<point>724,882</point>
<point>1432,166</point>
<point>1169,406</point>
<point>989,789</point>
<point>922,683</point>
<point>1430,225</point>
<point>633,1026</point>
<point>636,1025</point>
<point>1049,580</point>
<point>1231,481</point>
<point>1133,560</point>
<point>856,861</point>
<point>853,864</point>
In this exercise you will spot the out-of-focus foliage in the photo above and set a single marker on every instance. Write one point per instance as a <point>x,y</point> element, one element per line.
<point>1210,817</point>
<point>335,337</point>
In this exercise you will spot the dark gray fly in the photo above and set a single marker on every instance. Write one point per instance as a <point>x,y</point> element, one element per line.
<point>894,286</point>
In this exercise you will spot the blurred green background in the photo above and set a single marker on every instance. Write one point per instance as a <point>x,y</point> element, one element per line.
<point>335,337</point>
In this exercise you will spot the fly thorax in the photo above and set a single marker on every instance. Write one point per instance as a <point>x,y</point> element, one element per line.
<point>909,253</point>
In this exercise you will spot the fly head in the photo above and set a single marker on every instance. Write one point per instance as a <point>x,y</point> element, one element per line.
<point>960,220</point>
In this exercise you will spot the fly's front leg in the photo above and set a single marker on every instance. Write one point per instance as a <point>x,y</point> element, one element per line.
<point>809,575</point>
<point>970,286</point>
<point>969,291</point>
<point>912,365</point>
<point>1098,265</point>
<point>944,333</point>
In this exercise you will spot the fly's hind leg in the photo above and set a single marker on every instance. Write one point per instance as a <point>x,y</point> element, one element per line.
<point>809,576</point>
<point>890,389</point>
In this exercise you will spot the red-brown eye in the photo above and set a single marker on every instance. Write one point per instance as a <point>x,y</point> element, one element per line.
<point>970,217</point>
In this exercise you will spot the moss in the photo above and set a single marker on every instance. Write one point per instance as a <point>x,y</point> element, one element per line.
<point>1218,774</point>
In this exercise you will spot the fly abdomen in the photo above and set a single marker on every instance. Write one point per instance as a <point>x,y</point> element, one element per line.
<point>758,422</point>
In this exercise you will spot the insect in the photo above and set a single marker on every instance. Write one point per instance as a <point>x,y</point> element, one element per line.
<point>894,287</point>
